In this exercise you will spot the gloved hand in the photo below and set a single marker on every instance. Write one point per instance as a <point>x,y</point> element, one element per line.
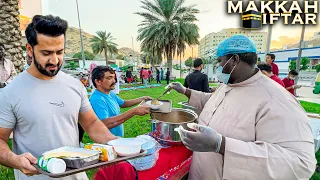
<point>178,87</point>
<point>205,139</point>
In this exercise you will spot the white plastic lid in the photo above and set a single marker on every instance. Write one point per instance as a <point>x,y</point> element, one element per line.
<point>56,166</point>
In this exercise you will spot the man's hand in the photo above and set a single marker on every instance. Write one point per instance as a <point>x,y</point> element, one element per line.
<point>178,87</point>
<point>296,86</point>
<point>24,163</point>
<point>145,98</point>
<point>205,139</point>
<point>141,110</point>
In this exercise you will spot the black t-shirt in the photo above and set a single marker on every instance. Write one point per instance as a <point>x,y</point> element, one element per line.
<point>197,81</point>
<point>128,74</point>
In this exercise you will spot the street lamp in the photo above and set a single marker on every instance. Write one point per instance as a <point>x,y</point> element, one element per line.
<point>269,39</point>
<point>299,53</point>
<point>133,53</point>
<point>83,57</point>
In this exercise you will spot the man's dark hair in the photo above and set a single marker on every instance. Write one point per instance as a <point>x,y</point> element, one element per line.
<point>272,56</point>
<point>265,67</point>
<point>98,73</point>
<point>197,62</point>
<point>294,72</point>
<point>47,25</point>
<point>129,67</point>
<point>167,68</point>
<point>250,58</point>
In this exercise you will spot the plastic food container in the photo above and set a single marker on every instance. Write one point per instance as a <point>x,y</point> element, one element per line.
<point>107,152</point>
<point>152,147</point>
<point>127,146</point>
<point>82,158</point>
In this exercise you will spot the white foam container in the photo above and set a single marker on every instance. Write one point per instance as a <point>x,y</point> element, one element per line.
<point>127,146</point>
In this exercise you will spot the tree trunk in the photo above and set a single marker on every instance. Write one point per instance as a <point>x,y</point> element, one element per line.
<point>106,55</point>
<point>10,34</point>
<point>180,68</point>
<point>169,60</point>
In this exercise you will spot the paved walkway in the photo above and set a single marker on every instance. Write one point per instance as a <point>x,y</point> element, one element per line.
<point>306,94</point>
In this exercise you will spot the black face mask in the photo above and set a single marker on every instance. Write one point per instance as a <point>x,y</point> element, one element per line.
<point>43,70</point>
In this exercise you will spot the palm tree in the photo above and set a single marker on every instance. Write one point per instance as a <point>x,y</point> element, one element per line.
<point>10,34</point>
<point>167,24</point>
<point>188,35</point>
<point>103,42</point>
<point>152,56</point>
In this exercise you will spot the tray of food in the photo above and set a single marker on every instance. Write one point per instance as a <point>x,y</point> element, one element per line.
<point>159,106</point>
<point>74,157</point>
<point>66,161</point>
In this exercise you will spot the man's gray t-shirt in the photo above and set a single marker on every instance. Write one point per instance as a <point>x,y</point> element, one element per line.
<point>44,115</point>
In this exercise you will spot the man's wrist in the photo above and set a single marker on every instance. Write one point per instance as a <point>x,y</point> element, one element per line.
<point>132,111</point>
<point>12,160</point>
<point>188,92</point>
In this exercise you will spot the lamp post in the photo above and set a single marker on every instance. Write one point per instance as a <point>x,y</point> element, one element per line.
<point>269,39</point>
<point>83,57</point>
<point>299,53</point>
<point>133,52</point>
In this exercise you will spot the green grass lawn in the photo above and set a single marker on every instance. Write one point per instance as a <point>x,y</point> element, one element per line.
<point>140,125</point>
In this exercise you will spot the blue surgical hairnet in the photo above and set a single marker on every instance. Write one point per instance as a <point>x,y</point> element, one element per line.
<point>236,44</point>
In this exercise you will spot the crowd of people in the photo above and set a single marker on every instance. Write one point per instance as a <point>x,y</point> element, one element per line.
<point>271,70</point>
<point>147,75</point>
<point>250,128</point>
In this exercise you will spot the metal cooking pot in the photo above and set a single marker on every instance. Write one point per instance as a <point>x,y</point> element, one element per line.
<point>163,125</point>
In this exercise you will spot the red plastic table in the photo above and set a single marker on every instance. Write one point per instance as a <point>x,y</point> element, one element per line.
<point>169,163</point>
<point>173,163</point>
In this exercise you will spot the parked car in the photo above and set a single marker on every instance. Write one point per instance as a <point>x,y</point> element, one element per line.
<point>316,89</point>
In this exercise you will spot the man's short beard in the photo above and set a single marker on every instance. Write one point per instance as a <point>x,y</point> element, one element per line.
<point>43,70</point>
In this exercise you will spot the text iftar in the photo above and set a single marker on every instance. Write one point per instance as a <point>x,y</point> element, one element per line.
<point>310,16</point>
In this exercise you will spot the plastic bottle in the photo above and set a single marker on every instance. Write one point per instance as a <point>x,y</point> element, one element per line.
<point>52,165</point>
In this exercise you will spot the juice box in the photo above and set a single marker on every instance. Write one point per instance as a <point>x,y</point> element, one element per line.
<point>108,153</point>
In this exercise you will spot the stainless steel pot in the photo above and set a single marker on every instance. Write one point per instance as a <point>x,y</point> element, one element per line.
<point>163,125</point>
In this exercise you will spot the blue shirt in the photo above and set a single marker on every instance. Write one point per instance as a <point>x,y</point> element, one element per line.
<point>106,106</point>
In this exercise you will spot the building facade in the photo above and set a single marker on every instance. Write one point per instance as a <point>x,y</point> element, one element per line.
<point>284,57</point>
<point>209,43</point>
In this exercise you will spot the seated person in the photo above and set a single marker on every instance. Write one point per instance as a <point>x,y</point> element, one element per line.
<point>266,69</point>
<point>106,104</point>
<point>135,78</point>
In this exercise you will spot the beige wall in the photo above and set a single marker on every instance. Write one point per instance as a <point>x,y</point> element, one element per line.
<point>213,39</point>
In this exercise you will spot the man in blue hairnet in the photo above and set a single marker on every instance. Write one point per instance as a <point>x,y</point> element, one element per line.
<point>250,128</point>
